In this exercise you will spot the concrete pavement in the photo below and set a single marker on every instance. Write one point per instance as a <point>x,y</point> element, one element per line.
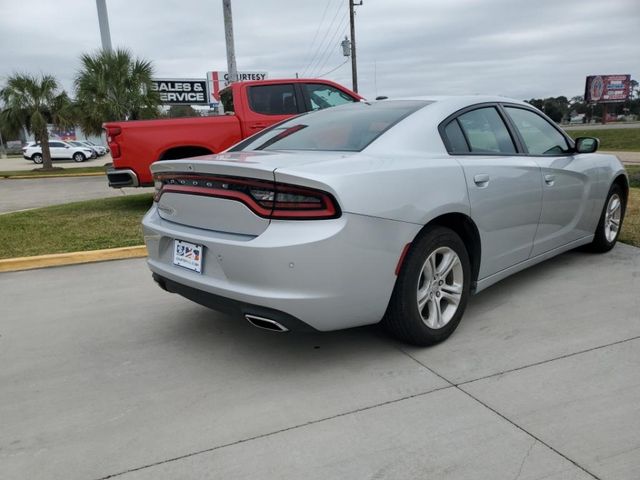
<point>105,375</point>
<point>629,158</point>
<point>42,192</point>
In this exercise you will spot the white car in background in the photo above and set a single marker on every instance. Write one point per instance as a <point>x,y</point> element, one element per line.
<point>59,151</point>
<point>99,149</point>
<point>77,143</point>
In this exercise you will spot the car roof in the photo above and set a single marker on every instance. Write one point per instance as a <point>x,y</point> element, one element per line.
<point>419,131</point>
<point>461,101</point>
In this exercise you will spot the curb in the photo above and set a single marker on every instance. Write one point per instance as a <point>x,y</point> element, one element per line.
<point>72,258</point>
<point>26,177</point>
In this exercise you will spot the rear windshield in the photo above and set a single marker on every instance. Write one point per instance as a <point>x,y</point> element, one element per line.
<point>344,128</point>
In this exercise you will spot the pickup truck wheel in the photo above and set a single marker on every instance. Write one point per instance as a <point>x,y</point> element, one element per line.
<point>79,157</point>
<point>37,158</point>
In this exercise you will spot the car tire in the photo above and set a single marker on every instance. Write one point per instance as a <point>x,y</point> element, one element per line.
<point>610,223</point>
<point>79,157</point>
<point>424,311</point>
<point>37,158</point>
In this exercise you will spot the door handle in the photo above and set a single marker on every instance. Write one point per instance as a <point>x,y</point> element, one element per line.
<point>549,179</point>
<point>481,180</point>
<point>260,125</point>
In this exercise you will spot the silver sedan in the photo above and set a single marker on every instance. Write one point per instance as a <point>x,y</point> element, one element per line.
<point>395,210</point>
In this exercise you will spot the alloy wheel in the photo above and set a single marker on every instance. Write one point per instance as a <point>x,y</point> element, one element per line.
<point>440,287</point>
<point>612,217</point>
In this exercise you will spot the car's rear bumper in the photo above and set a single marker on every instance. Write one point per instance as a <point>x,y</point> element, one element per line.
<point>328,274</point>
<point>235,308</point>
<point>122,177</point>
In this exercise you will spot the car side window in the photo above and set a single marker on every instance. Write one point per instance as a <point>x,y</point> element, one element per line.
<point>486,132</point>
<point>539,136</point>
<point>273,99</point>
<point>456,143</point>
<point>56,144</point>
<point>325,96</point>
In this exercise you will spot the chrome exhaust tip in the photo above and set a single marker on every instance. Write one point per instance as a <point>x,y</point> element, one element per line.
<point>266,323</point>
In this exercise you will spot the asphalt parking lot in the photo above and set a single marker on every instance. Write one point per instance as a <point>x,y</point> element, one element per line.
<point>23,194</point>
<point>104,375</point>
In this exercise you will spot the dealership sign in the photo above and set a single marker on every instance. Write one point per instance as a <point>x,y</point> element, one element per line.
<point>181,91</point>
<point>217,81</point>
<point>607,88</point>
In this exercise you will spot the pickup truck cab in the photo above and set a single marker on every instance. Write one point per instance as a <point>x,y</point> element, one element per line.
<point>249,107</point>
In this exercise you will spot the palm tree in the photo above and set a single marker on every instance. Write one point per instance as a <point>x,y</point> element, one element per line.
<point>32,102</point>
<point>112,85</point>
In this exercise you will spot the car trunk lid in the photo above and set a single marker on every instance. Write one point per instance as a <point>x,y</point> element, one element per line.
<point>241,182</point>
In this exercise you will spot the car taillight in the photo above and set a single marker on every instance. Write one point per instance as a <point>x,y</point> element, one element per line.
<point>264,198</point>
<point>112,133</point>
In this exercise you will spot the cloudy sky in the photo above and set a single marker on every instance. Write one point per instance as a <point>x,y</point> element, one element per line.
<point>516,48</point>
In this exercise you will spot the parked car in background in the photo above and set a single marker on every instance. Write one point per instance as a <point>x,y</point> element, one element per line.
<point>395,210</point>
<point>77,143</point>
<point>100,149</point>
<point>249,107</point>
<point>59,151</point>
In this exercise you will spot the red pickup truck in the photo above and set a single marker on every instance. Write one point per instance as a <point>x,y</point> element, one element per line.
<point>249,107</point>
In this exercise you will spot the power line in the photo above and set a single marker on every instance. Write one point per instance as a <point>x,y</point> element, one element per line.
<point>315,36</point>
<point>333,69</point>
<point>337,34</point>
<point>331,40</point>
<point>320,45</point>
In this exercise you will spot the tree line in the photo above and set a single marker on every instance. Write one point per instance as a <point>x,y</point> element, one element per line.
<point>561,109</point>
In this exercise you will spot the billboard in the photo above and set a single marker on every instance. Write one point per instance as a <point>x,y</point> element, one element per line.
<point>181,91</point>
<point>607,88</point>
<point>217,81</point>
<point>60,133</point>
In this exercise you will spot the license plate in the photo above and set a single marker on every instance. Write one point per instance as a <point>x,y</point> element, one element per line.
<point>187,255</point>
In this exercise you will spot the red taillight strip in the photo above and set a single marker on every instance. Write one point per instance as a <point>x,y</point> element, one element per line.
<point>217,193</point>
<point>325,208</point>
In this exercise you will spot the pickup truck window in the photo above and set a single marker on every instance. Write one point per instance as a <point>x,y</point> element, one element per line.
<point>273,99</point>
<point>324,96</point>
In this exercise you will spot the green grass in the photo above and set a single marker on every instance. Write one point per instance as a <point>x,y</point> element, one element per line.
<point>615,139</point>
<point>631,226</point>
<point>70,172</point>
<point>89,225</point>
<point>634,175</point>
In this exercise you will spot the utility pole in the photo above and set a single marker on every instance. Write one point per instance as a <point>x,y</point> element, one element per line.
<point>354,68</point>
<point>228,37</point>
<point>103,21</point>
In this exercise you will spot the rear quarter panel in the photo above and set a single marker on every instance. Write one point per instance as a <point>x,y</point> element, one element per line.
<point>409,188</point>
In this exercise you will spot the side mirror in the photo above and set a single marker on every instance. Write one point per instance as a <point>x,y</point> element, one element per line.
<point>587,144</point>
<point>67,146</point>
